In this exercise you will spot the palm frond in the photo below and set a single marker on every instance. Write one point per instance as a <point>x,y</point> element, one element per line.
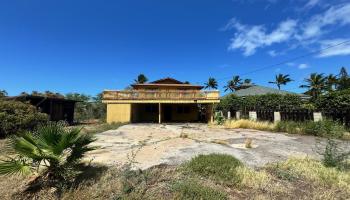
<point>15,166</point>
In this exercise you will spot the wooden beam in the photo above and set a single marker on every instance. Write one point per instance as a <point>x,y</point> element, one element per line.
<point>160,113</point>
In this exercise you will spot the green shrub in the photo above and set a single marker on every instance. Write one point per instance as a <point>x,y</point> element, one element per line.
<point>333,156</point>
<point>219,119</point>
<point>290,127</point>
<point>18,117</point>
<point>324,128</point>
<point>190,189</point>
<point>220,167</point>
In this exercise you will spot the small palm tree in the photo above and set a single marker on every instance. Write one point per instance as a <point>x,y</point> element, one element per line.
<point>141,79</point>
<point>316,84</point>
<point>211,84</point>
<point>281,79</point>
<point>52,148</point>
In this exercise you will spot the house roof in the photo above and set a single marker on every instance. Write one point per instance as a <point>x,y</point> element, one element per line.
<point>167,82</point>
<point>260,90</point>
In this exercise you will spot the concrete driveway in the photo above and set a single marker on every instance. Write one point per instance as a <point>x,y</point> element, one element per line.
<point>147,145</point>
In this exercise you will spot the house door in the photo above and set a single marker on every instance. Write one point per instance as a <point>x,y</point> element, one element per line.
<point>167,113</point>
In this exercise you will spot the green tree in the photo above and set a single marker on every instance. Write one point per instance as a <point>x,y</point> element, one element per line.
<point>83,110</point>
<point>344,79</point>
<point>53,148</point>
<point>281,79</point>
<point>315,85</point>
<point>211,84</point>
<point>3,93</point>
<point>141,79</point>
<point>247,81</point>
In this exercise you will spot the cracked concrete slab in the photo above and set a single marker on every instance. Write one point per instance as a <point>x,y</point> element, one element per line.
<point>152,144</point>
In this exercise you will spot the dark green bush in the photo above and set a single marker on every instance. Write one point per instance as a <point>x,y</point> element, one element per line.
<point>17,117</point>
<point>190,189</point>
<point>338,100</point>
<point>268,101</point>
<point>220,167</point>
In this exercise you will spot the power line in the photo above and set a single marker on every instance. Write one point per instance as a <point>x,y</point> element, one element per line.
<point>289,60</point>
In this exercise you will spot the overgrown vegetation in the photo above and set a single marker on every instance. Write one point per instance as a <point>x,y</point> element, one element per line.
<point>87,107</point>
<point>335,156</point>
<point>324,128</point>
<point>274,102</point>
<point>17,117</point>
<point>296,178</point>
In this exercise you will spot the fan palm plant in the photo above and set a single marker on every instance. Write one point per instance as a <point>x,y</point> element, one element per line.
<point>211,84</point>
<point>281,79</point>
<point>316,84</point>
<point>53,149</point>
<point>141,79</point>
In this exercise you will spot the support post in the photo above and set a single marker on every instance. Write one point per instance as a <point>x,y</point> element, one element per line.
<point>160,113</point>
<point>238,115</point>
<point>253,116</point>
<point>276,116</point>
<point>317,116</point>
<point>229,115</point>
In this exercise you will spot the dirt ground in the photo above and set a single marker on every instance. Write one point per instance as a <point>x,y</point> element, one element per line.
<point>147,145</point>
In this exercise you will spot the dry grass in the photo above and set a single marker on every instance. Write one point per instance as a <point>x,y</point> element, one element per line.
<point>184,135</point>
<point>248,143</point>
<point>296,178</point>
<point>248,124</point>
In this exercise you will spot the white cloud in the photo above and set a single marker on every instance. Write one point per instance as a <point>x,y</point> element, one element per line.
<point>290,64</point>
<point>335,51</point>
<point>312,3</point>
<point>249,38</point>
<point>335,15</point>
<point>272,53</point>
<point>303,66</point>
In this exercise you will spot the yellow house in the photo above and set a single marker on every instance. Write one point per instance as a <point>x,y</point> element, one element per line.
<point>164,100</point>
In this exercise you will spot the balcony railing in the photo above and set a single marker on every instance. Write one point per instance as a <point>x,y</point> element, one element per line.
<point>160,95</point>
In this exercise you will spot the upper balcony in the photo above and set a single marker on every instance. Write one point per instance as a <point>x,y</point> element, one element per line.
<point>110,95</point>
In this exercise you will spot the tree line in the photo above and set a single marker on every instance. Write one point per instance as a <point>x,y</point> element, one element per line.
<point>316,84</point>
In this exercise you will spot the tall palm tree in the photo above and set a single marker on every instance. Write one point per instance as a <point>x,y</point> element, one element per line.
<point>331,82</point>
<point>281,79</point>
<point>233,84</point>
<point>316,85</point>
<point>211,84</point>
<point>141,79</point>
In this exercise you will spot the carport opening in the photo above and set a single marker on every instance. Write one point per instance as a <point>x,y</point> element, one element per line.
<point>169,113</point>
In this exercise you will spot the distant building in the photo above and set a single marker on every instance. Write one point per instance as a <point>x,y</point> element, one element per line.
<point>252,90</point>
<point>58,109</point>
<point>164,100</point>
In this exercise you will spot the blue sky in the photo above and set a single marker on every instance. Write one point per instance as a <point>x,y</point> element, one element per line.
<point>87,46</point>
